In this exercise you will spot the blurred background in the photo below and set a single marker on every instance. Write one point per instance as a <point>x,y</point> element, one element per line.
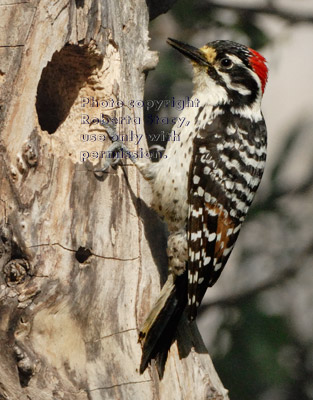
<point>257,321</point>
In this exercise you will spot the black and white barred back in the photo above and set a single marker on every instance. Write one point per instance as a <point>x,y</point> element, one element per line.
<point>225,172</point>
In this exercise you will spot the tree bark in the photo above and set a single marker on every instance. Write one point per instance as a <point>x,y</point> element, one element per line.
<point>82,255</point>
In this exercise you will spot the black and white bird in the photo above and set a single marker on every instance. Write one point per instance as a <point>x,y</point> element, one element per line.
<point>204,184</point>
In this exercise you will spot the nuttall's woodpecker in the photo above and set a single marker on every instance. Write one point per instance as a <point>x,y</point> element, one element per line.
<point>204,186</point>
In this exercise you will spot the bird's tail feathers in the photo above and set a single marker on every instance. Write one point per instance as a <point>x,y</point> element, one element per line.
<point>158,330</point>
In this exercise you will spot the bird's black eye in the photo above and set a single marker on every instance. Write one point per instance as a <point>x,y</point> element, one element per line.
<point>226,62</point>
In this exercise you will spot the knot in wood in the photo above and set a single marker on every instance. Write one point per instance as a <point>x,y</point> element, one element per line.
<point>16,271</point>
<point>30,154</point>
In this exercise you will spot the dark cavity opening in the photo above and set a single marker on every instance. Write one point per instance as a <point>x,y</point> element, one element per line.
<point>82,254</point>
<point>80,3</point>
<point>60,83</point>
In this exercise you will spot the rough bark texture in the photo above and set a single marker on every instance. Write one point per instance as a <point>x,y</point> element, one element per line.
<point>81,256</point>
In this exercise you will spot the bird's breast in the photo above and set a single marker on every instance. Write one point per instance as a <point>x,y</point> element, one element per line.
<point>170,188</point>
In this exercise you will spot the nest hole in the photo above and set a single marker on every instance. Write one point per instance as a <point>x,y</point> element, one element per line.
<point>60,83</point>
<point>80,3</point>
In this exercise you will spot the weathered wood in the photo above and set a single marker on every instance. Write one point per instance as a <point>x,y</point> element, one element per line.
<point>81,256</point>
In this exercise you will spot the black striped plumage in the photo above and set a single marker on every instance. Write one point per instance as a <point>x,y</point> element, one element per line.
<point>214,198</point>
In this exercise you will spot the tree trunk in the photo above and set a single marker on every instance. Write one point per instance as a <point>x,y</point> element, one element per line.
<point>81,253</point>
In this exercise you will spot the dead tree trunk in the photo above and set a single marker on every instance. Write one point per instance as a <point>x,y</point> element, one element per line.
<point>81,255</point>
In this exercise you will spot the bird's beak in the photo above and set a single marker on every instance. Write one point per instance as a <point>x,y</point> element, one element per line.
<point>191,52</point>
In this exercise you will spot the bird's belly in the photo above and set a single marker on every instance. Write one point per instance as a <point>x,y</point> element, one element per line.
<point>170,193</point>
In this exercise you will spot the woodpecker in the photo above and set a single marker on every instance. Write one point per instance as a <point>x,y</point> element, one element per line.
<point>205,182</point>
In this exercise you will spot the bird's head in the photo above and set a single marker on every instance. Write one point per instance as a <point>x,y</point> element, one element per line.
<point>238,71</point>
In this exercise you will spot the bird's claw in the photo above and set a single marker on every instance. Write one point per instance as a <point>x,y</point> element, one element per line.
<point>112,158</point>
